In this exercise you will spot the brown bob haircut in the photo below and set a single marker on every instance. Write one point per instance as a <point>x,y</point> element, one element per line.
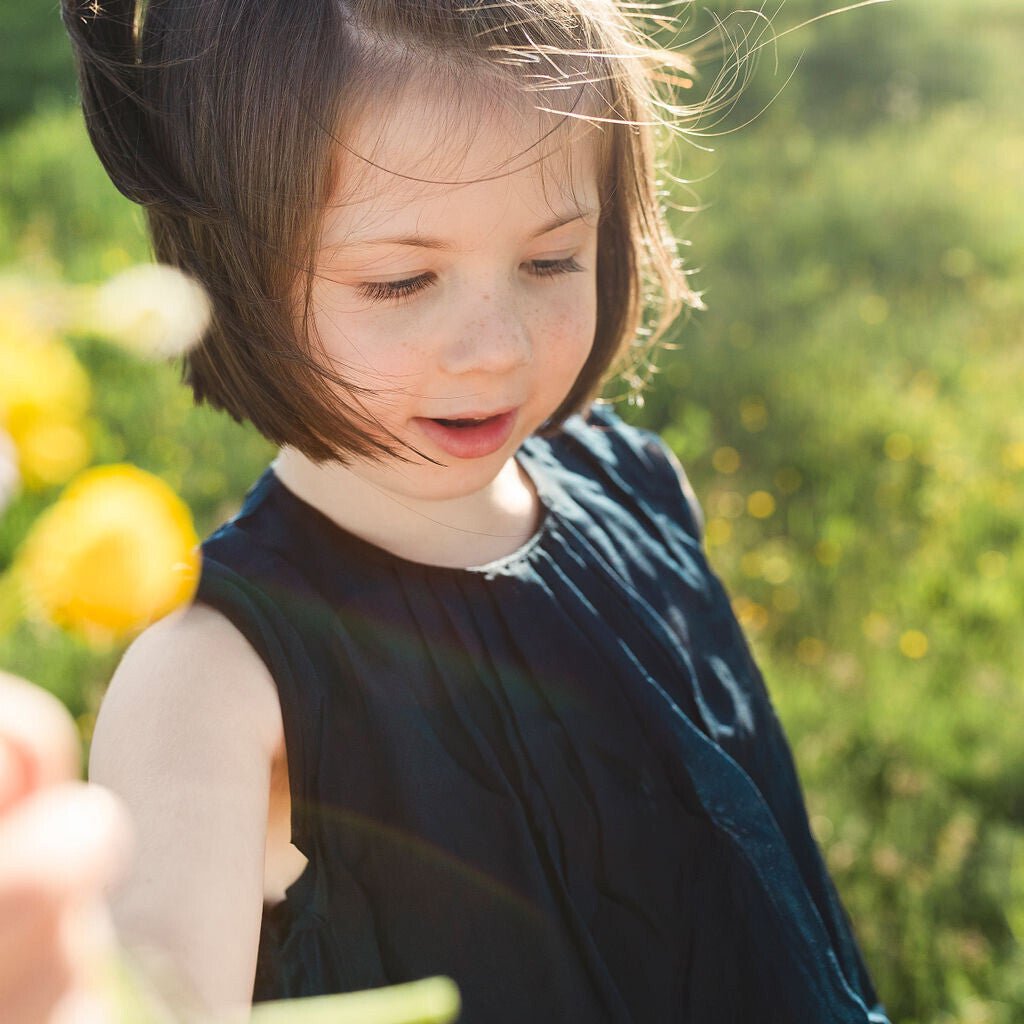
<point>220,118</point>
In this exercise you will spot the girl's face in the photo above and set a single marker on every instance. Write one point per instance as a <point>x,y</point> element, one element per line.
<point>466,303</point>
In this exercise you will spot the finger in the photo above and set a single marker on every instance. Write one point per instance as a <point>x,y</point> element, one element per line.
<point>87,936</point>
<point>17,772</point>
<point>83,1006</point>
<point>63,954</point>
<point>68,838</point>
<point>37,991</point>
<point>58,849</point>
<point>30,936</point>
<point>40,729</point>
<point>65,983</point>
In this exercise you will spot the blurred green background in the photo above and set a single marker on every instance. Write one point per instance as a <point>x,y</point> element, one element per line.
<point>849,408</point>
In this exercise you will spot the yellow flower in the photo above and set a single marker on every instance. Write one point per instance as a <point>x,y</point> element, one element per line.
<point>37,373</point>
<point>117,551</point>
<point>44,393</point>
<point>51,451</point>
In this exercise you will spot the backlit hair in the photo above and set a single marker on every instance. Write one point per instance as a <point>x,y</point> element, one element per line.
<point>221,118</point>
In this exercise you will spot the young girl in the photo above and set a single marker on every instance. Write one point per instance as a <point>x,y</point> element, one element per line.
<point>458,693</point>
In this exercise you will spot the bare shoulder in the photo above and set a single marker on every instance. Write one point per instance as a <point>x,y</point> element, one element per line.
<point>186,737</point>
<point>195,664</point>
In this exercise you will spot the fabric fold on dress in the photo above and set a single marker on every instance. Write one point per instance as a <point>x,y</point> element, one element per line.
<point>558,778</point>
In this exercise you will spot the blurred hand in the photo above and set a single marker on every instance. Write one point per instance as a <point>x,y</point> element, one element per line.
<point>62,842</point>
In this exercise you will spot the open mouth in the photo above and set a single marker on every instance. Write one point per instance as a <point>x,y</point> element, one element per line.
<point>466,422</point>
<point>470,437</point>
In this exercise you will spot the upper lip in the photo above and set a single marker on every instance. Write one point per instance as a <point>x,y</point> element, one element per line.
<point>474,415</point>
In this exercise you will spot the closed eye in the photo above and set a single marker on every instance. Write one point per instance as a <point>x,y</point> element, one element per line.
<point>551,268</point>
<point>383,291</point>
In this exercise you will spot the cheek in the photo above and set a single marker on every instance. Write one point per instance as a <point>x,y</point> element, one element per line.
<point>571,327</point>
<point>360,346</point>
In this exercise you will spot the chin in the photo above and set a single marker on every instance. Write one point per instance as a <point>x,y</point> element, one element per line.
<point>455,481</point>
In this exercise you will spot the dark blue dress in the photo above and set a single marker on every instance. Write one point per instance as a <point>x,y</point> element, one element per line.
<point>557,779</point>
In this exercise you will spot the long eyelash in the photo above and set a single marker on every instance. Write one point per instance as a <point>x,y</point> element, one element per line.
<point>380,291</point>
<point>551,268</point>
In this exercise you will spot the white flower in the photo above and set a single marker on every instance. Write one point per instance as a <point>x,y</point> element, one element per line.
<point>152,309</point>
<point>10,478</point>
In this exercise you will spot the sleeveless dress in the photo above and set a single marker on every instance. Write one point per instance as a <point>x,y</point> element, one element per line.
<point>557,778</point>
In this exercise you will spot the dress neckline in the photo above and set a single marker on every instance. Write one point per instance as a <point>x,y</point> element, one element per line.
<point>364,550</point>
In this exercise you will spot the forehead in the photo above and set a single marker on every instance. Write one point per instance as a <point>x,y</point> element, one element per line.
<point>428,153</point>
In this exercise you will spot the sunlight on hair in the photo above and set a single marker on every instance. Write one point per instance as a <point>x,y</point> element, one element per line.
<point>117,551</point>
<point>152,309</point>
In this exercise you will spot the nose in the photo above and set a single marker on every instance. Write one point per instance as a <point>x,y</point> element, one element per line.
<point>493,339</point>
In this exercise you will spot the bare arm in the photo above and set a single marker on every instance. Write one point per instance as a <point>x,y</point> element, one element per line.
<point>186,737</point>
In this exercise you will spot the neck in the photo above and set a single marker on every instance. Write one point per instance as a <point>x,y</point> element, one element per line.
<point>459,532</point>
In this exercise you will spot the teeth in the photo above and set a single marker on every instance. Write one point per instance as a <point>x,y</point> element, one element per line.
<point>465,422</point>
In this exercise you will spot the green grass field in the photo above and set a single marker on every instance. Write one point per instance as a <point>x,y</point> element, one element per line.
<point>850,408</point>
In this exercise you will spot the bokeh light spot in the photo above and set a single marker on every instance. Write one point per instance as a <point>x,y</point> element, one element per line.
<point>776,569</point>
<point>726,460</point>
<point>1013,455</point>
<point>874,310</point>
<point>728,504</point>
<point>786,599</point>
<point>750,565</point>
<point>753,413</point>
<point>876,627</point>
<point>718,532</point>
<point>914,644</point>
<point>828,552</point>
<point>810,650</point>
<point>760,504</point>
<point>992,564</point>
<point>788,479</point>
<point>898,447</point>
<point>751,615</point>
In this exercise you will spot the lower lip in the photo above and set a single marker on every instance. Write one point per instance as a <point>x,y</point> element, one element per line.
<point>476,442</point>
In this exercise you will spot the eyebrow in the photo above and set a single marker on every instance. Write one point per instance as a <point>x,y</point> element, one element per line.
<point>425,242</point>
